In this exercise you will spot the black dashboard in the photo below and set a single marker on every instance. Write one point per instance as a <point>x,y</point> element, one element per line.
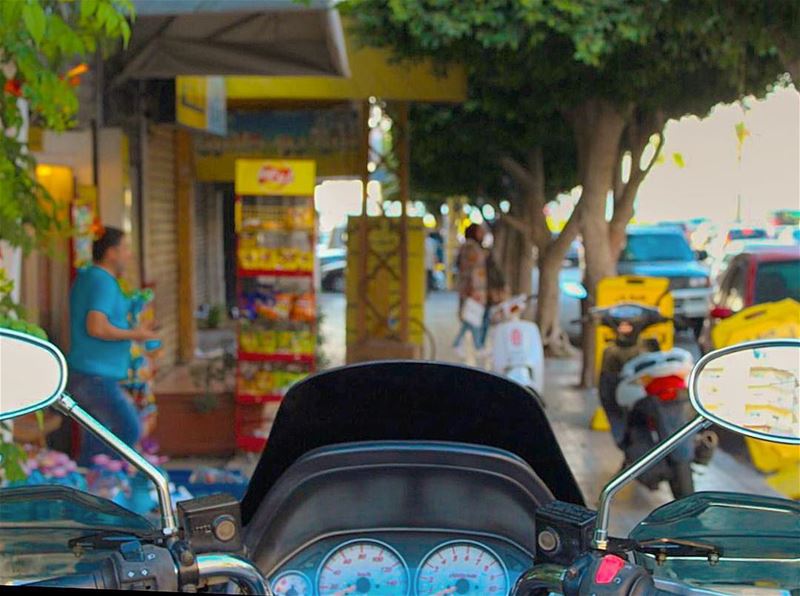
<point>402,562</point>
<point>404,519</point>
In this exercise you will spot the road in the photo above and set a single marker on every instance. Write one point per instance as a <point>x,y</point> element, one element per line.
<point>592,455</point>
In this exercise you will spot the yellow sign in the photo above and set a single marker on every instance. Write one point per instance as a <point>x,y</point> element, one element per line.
<point>382,302</point>
<point>275,177</point>
<point>200,103</point>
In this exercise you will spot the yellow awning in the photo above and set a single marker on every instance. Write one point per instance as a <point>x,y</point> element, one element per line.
<point>373,75</point>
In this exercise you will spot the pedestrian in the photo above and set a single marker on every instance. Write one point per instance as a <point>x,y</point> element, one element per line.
<point>473,288</point>
<point>431,260</point>
<point>101,335</point>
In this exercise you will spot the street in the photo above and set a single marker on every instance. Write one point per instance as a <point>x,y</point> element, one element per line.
<point>592,455</point>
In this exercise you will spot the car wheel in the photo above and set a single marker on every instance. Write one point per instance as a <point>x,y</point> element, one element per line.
<point>337,283</point>
<point>697,327</point>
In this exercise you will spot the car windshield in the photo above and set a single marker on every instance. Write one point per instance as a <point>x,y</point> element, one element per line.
<point>778,280</point>
<point>657,247</point>
<point>746,234</point>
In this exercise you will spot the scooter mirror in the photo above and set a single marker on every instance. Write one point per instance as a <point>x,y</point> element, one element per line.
<point>574,289</point>
<point>33,374</point>
<point>752,389</point>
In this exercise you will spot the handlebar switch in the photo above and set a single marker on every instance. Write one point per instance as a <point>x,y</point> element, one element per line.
<point>212,523</point>
<point>598,573</point>
<point>563,532</point>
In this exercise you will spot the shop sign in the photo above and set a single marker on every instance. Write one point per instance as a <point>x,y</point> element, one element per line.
<point>276,177</point>
<point>200,103</point>
<point>329,136</point>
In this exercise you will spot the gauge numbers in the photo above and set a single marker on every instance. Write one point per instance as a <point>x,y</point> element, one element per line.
<point>363,567</point>
<point>292,583</point>
<point>462,567</point>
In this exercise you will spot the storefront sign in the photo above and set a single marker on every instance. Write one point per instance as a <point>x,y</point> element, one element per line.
<point>328,136</point>
<point>291,177</point>
<point>200,103</point>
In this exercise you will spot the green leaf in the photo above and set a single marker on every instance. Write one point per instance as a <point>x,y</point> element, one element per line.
<point>678,159</point>
<point>88,8</point>
<point>35,20</point>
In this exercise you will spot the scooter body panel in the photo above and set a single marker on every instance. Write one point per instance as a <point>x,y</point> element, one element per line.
<point>517,349</point>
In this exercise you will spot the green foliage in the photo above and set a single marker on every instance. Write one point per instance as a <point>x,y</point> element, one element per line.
<point>531,62</point>
<point>40,40</point>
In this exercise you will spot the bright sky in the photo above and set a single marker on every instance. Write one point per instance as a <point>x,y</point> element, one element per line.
<point>709,182</point>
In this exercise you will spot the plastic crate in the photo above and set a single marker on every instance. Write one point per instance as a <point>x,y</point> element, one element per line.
<point>181,478</point>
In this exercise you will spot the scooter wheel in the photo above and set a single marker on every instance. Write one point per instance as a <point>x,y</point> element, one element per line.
<point>682,482</point>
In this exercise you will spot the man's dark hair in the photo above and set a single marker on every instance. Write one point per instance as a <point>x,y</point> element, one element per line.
<point>110,238</point>
<point>472,231</point>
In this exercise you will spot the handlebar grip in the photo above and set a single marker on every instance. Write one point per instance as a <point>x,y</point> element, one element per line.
<point>92,581</point>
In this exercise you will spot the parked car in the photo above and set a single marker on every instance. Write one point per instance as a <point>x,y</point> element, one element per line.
<point>663,251</point>
<point>569,306</point>
<point>757,275</point>
<point>332,260</point>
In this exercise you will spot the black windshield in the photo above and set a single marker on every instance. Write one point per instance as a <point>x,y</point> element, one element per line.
<point>778,280</point>
<point>413,401</point>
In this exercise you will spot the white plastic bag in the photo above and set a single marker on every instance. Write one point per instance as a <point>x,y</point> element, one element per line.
<point>472,312</point>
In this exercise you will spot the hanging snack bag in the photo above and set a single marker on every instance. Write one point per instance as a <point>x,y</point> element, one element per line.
<point>283,305</point>
<point>303,309</point>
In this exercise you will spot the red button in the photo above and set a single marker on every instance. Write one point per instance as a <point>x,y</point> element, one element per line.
<point>608,569</point>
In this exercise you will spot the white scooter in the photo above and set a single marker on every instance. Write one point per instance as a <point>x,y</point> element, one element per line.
<point>516,344</point>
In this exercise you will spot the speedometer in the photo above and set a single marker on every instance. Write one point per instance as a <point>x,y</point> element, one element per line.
<point>462,567</point>
<point>291,583</point>
<point>363,567</point>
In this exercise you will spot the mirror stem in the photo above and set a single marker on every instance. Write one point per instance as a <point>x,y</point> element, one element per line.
<point>649,459</point>
<point>67,406</point>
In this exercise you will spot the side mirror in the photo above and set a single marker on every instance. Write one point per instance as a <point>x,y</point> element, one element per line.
<point>721,312</point>
<point>34,374</point>
<point>752,389</point>
<point>702,255</point>
<point>573,289</point>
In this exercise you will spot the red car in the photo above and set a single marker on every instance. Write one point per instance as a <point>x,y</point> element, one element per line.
<point>755,276</point>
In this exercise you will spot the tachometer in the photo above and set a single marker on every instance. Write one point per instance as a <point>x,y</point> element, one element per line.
<point>363,567</point>
<point>292,583</point>
<point>462,567</point>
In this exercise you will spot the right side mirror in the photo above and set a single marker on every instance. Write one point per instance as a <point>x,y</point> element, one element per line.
<point>752,389</point>
<point>702,255</point>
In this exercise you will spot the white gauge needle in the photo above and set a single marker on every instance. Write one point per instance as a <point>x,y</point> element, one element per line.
<point>446,591</point>
<point>349,590</point>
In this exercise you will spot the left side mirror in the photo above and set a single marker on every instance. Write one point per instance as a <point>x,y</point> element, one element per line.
<point>702,255</point>
<point>33,374</point>
<point>752,389</point>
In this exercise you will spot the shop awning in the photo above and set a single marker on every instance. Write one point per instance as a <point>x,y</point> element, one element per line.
<point>234,37</point>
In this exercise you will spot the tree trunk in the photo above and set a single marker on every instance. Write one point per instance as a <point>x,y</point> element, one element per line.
<point>598,126</point>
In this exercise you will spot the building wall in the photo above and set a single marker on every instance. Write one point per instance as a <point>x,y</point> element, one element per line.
<point>209,247</point>
<point>161,234</point>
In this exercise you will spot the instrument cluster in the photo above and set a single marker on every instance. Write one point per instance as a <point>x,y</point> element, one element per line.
<point>403,563</point>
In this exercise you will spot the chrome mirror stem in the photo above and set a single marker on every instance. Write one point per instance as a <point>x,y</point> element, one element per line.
<point>67,406</point>
<point>649,459</point>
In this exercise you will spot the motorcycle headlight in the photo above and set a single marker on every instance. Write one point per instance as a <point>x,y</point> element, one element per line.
<point>698,282</point>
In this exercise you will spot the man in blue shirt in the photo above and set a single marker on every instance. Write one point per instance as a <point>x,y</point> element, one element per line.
<point>101,335</point>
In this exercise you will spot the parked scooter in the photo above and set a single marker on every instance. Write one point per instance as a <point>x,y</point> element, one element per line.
<point>517,350</point>
<point>644,393</point>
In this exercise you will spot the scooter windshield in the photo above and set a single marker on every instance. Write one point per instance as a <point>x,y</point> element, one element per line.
<point>411,401</point>
<point>59,507</point>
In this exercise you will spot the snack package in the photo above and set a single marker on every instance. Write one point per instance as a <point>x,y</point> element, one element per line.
<point>284,305</point>
<point>303,309</point>
<point>305,261</point>
<point>286,342</point>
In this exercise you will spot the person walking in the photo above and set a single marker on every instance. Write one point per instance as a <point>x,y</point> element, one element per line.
<point>473,288</point>
<point>101,336</point>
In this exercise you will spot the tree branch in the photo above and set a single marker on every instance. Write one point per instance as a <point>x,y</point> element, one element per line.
<point>517,171</point>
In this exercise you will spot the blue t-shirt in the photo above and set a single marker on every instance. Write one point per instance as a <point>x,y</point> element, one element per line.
<point>96,289</point>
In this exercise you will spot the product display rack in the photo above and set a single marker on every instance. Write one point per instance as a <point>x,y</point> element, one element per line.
<point>277,331</point>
